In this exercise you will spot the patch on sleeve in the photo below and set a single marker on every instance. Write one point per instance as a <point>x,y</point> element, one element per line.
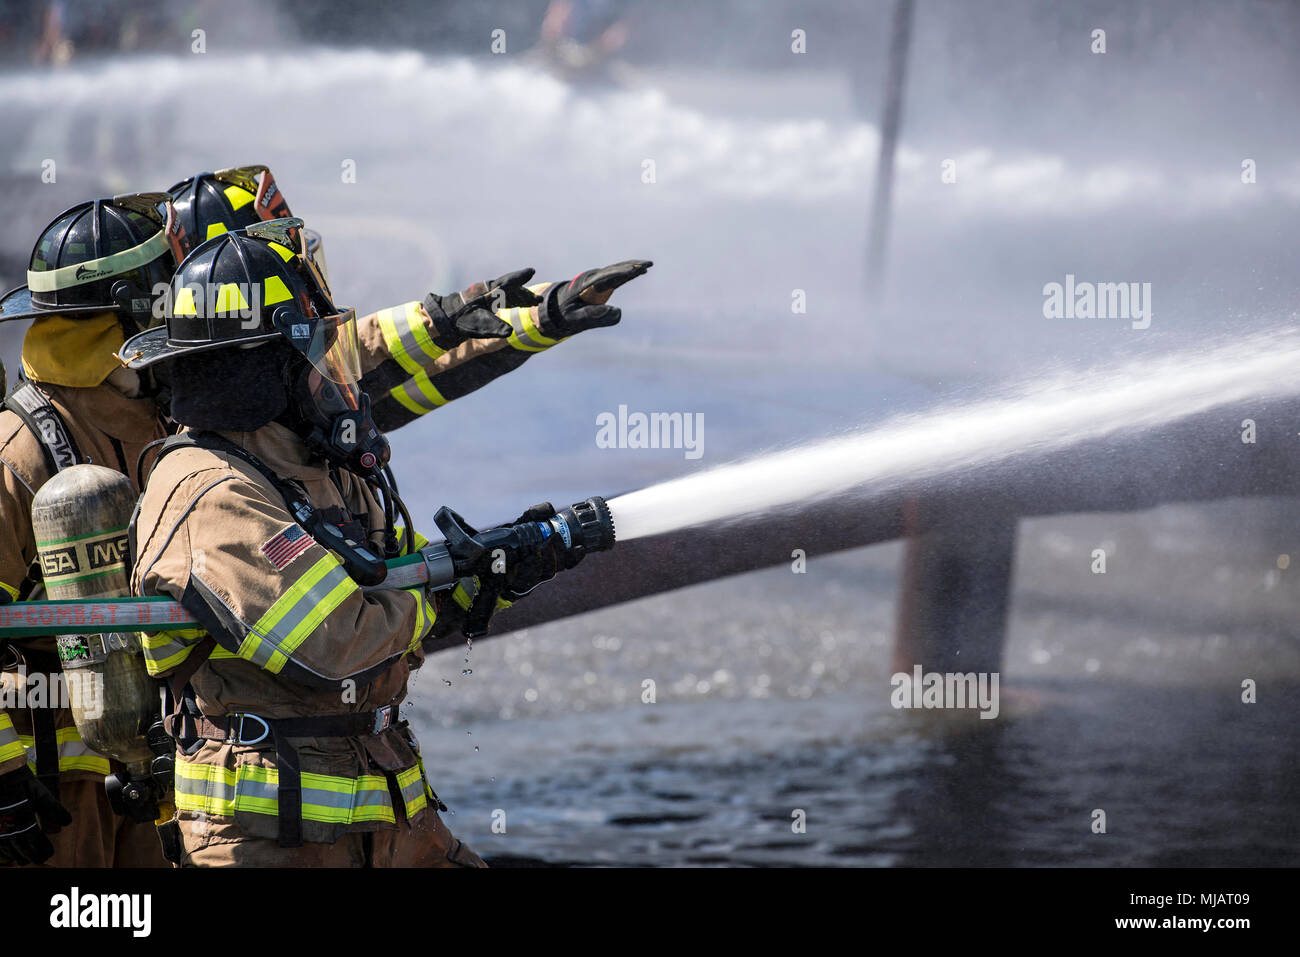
<point>288,545</point>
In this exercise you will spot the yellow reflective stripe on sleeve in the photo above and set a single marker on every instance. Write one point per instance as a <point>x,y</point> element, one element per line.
<point>417,333</point>
<point>407,337</point>
<point>326,798</point>
<point>392,338</point>
<point>525,337</point>
<point>464,596</point>
<point>404,399</point>
<point>164,650</point>
<point>530,327</point>
<point>73,753</point>
<point>429,397</point>
<point>424,615</point>
<point>13,592</point>
<point>296,614</point>
<point>11,746</point>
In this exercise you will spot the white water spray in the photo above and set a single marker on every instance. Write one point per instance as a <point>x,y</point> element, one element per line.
<point>1055,414</point>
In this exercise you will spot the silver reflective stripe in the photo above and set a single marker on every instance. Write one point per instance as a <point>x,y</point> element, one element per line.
<point>76,749</point>
<point>319,804</point>
<point>413,791</point>
<point>414,336</point>
<point>78,274</point>
<point>516,319</point>
<point>296,615</point>
<point>213,788</point>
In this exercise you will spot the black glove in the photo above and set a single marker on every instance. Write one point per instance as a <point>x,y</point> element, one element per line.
<point>471,313</point>
<point>569,308</point>
<point>530,569</point>
<point>22,835</point>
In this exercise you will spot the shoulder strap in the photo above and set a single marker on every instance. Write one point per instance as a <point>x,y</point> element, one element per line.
<point>359,560</point>
<point>39,415</point>
<point>216,443</point>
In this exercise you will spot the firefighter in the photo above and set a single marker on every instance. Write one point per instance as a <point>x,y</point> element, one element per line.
<point>91,284</point>
<point>285,704</point>
<point>89,287</point>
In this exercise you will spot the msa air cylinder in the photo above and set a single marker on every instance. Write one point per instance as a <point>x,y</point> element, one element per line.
<point>80,519</point>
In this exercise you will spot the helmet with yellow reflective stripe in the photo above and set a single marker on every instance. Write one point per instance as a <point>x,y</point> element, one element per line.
<point>106,255</point>
<point>257,285</point>
<point>249,285</point>
<point>209,204</point>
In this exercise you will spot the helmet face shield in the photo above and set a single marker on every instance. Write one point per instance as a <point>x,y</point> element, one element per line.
<point>335,350</point>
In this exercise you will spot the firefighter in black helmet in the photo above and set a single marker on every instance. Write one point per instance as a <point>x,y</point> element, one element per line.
<point>92,280</point>
<point>265,519</point>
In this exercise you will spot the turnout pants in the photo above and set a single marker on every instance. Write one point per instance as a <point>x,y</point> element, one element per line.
<point>427,843</point>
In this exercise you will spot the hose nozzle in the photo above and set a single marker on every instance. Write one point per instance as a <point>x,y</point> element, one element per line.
<point>587,526</point>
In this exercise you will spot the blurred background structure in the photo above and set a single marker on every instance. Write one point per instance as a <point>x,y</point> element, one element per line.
<point>427,161</point>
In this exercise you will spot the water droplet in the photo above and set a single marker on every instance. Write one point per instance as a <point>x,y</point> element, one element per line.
<point>476,747</point>
<point>466,672</point>
<point>446,682</point>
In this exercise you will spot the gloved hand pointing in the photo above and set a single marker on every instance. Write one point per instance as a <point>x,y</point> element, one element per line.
<point>569,308</point>
<point>27,808</point>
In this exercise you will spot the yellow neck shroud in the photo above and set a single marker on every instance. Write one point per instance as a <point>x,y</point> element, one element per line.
<point>71,351</point>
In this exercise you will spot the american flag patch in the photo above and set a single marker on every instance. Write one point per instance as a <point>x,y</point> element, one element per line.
<point>288,545</point>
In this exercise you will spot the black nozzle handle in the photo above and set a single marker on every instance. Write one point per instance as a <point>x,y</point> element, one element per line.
<point>466,553</point>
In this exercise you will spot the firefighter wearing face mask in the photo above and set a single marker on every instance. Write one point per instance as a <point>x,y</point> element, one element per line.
<point>94,278</point>
<point>265,519</point>
<point>89,286</point>
<point>420,355</point>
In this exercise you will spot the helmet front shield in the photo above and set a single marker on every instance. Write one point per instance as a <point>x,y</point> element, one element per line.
<point>268,201</point>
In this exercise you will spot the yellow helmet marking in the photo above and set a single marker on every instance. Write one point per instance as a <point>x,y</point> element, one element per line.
<point>184,305</point>
<point>238,196</point>
<point>229,299</point>
<point>275,291</point>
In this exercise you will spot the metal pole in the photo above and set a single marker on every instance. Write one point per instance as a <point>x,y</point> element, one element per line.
<point>882,201</point>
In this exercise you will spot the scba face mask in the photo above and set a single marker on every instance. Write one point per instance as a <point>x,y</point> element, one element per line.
<point>328,398</point>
